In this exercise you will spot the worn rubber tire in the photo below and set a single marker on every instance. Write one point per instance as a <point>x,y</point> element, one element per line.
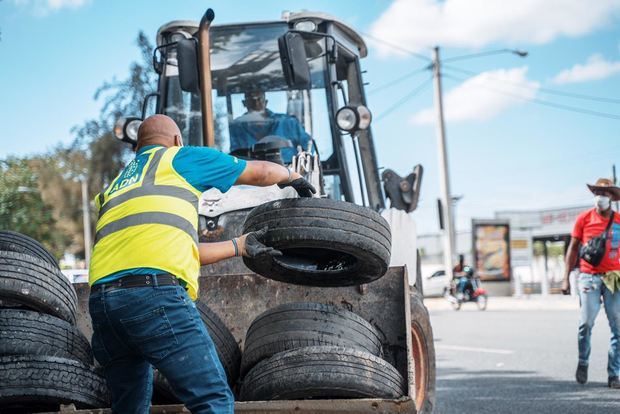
<point>322,372</point>
<point>37,285</point>
<point>423,347</point>
<point>297,325</point>
<point>225,344</point>
<point>325,242</point>
<point>12,241</point>
<point>34,383</point>
<point>26,332</point>
<point>162,391</point>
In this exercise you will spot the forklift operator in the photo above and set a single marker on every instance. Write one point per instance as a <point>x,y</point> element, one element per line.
<point>259,122</point>
<point>145,265</point>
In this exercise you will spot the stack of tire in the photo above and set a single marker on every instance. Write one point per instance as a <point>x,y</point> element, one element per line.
<point>313,350</point>
<point>45,361</point>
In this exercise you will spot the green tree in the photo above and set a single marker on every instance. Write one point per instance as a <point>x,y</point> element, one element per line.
<point>94,154</point>
<point>22,208</point>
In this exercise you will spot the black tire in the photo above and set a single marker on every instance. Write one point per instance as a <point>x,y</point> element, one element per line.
<point>37,383</point>
<point>31,333</point>
<point>35,284</point>
<point>162,391</point>
<point>12,241</point>
<point>423,347</point>
<point>225,344</point>
<point>322,372</point>
<point>324,242</point>
<point>297,325</point>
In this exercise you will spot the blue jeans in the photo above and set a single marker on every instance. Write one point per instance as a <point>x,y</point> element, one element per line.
<point>591,288</point>
<point>137,328</point>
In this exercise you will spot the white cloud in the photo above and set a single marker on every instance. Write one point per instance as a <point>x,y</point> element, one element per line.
<point>483,96</point>
<point>419,24</point>
<point>594,69</point>
<point>44,7</point>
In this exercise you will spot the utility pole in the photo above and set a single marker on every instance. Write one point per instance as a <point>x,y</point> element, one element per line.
<point>615,182</point>
<point>86,221</point>
<point>444,177</point>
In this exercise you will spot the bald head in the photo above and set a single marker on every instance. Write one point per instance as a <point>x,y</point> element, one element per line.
<point>159,130</point>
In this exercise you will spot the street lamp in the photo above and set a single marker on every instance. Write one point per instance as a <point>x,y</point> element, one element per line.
<point>519,52</point>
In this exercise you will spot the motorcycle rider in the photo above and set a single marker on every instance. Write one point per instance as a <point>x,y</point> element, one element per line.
<point>467,283</point>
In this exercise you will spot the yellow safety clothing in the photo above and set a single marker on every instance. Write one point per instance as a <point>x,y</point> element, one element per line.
<point>148,220</point>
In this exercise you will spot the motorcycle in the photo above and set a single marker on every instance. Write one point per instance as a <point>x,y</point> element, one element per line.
<point>464,290</point>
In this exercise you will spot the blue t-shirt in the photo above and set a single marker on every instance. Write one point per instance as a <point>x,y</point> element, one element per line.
<point>202,167</point>
<point>253,126</point>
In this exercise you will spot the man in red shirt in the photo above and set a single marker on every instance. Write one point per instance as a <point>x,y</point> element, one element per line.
<point>600,280</point>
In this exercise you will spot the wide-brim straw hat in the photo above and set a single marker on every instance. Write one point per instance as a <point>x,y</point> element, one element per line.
<point>606,185</point>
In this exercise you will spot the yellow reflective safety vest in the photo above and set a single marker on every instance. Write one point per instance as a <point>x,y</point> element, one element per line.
<point>148,218</point>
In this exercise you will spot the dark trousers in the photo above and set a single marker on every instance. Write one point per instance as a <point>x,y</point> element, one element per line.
<point>135,329</point>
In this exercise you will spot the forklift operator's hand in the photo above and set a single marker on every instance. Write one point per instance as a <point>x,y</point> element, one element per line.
<point>300,184</point>
<point>251,245</point>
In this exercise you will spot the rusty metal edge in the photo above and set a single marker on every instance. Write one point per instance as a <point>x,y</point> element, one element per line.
<point>409,337</point>
<point>366,405</point>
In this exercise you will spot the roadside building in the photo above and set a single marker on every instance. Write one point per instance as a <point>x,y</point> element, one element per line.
<point>537,241</point>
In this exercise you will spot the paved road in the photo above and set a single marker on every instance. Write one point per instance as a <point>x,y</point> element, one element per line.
<point>517,361</point>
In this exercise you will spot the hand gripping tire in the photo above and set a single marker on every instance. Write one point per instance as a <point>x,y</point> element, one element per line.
<point>35,284</point>
<point>12,241</point>
<point>324,242</point>
<point>38,383</point>
<point>298,325</point>
<point>423,349</point>
<point>322,372</point>
<point>24,332</point>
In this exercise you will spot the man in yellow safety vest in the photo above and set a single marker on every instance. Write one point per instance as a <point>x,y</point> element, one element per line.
<point>146,261</point>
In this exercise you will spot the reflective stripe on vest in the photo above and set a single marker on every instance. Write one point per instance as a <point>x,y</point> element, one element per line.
<point>152,223</point>
<point>148,218</point>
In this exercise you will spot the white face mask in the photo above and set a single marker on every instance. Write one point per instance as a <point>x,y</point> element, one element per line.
<point>602,202</point>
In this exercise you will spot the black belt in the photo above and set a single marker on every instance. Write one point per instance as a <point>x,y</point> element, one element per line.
<point>132,281</point>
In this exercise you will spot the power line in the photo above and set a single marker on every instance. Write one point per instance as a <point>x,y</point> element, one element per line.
<point>397,47</point>
<point>545,90</point>
<point>404,99</point>
<point>542,102</point>
<point>398,80</point>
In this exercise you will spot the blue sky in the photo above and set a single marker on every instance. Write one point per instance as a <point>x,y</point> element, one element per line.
<point>504,152</point>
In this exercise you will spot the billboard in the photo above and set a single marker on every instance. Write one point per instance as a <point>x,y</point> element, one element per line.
<point>491,249</point>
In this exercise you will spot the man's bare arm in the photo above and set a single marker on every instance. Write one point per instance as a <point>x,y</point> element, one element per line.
<point>214,252</point>
<point>265,173</point>
<point>569,262</point>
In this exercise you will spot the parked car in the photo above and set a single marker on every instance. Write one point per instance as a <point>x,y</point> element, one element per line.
<point>435,284</point>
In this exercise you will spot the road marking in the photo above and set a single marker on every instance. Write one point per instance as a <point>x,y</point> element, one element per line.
<point>467,348</point>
